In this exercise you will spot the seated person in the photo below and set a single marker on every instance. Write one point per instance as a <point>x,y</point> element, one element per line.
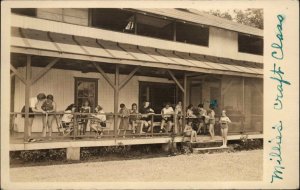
<point>133,117</point>
<point>98,121</point>
<point>146,112</point>
<point>167,117</point>
<point>67,118</point>
<point>188,131</point>
<point>190,112</point>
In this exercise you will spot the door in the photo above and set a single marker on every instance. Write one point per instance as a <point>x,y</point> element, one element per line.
<point>86,89</point>
<point>158,94</point>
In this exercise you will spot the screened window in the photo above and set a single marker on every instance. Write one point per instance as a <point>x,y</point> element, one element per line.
<point>86,89</point>
<point>192,34</point>
<point>250,44</point>
<point>23,11</point>
<point>154,27</point>
<point>113,19</point>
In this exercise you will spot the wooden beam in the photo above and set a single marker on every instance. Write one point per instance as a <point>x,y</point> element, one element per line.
<point>27,96</point>
<point>116,101</point>
<point>175,80</point>
<point>129,77</point>
<point>227,87</point>
<point>18,74</point>
<point>174,31</point>
<point>255,86</point>
<point>104,75</point>
<point>12,75</point>
<point>44,71</point>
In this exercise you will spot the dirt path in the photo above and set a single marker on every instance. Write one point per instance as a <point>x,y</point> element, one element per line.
<point>238,166</point>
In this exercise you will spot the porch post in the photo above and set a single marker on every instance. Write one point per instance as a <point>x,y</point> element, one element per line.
<point>184,98</point>
<point>116,100</point>
<point>27,96</point>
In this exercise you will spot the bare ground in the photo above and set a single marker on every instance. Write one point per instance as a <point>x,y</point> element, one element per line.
<point>236,166</point>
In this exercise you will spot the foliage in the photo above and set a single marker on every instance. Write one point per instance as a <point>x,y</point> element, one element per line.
<point>39,155</point>
<point>250,17</point>
<point>249,144</point>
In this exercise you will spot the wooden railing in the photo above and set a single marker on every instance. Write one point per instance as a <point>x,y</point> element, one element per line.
<point>114,132</point>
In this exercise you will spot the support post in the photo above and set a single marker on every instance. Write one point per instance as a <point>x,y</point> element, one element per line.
<point>184,99</point>
<point>116,100</point>
<point>73,153</point>
<point>27,96</point>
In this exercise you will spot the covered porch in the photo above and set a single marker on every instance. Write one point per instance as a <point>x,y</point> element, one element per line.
<point>52,63</point>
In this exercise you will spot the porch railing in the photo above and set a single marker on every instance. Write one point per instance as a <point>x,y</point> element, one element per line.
<point>111,130</point>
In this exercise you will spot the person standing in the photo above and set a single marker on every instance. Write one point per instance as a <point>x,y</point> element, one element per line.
<point>224,120</point>
<point>124,118</point>
<point>133,117</point>
<point>201,116</point>
<point>85,108</point>
<point>49,107</point>
<point>34,107</point>
<point>178,112</point>
<point>212,121</point>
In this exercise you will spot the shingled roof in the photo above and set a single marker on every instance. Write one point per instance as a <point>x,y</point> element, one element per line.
<point>199,17</point>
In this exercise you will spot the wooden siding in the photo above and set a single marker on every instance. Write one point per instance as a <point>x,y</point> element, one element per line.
<point>60,83</point>
<point>73,16</point>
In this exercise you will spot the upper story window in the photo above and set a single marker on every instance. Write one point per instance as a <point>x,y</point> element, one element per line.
<point>192,34</point>
<point>250,44</point>
<point>22,11</point>
<point>113,19</point>
<point>155,27</point>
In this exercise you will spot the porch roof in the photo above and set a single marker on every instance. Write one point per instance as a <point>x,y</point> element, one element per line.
<point>36,42</point>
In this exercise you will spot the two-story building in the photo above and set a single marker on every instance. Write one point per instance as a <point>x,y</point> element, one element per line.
<point>113,56</point>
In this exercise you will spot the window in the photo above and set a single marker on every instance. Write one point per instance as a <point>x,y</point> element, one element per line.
<point>250,44</point>
<point>86,89</point>
<point>22,11</point>
<point>154,27</point>
<point>192,34</point>
<point>113,19</point>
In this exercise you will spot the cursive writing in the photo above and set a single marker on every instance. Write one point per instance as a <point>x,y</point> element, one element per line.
<point>279,78</point>
<point>275,154</point>
<point>278,52</point>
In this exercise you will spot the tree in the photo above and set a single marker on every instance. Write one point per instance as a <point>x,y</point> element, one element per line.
<point>250,17</point>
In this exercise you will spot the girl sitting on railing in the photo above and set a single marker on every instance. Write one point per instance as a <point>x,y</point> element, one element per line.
<point>167,117</point>
<point>146,112</point>
<point>67,119</point>
<point>98,121</point>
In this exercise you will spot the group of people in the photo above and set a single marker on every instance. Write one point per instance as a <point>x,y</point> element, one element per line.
<point>198,119</point>
<point>41,106</point>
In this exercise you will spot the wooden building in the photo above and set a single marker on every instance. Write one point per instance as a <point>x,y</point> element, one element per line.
<point>133,55</point>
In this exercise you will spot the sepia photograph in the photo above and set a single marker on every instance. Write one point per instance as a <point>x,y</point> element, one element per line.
<point>116,94</point>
